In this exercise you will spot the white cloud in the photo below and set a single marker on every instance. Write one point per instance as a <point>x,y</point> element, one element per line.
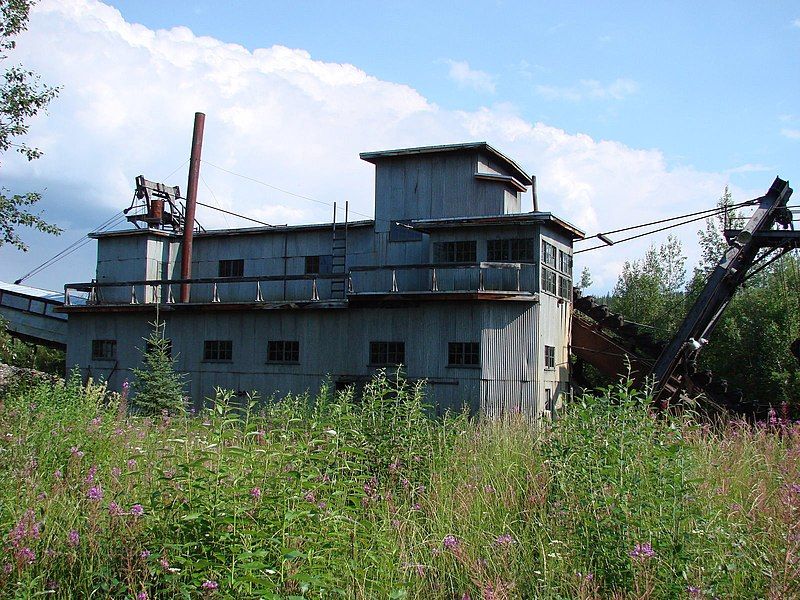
<point>467,77</point>
<point>279,116</point>
<point>750,168</point>
<point>796,23</point>
<point>592,89</point>
<point>792,134</point>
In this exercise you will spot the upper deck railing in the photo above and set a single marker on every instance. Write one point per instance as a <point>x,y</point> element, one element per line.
<point>429,278</point>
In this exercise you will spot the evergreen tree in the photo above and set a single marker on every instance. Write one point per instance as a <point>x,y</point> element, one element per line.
<point>157,386</point>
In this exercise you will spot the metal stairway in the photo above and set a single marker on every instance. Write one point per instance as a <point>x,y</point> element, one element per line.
<point>339,255</point>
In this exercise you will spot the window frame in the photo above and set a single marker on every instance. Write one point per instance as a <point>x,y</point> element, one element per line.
<point>100,345</point>
<point>564,289</point>
<point>283,352</point>
<point>511,250</point>
<point>381,353</point>
<point>318,264</point>
<point>455,251</point>
<point>218,351</point>
<point>461,352</point>
<point>552,277</point>
<point>549,358</point>
<point>549,255</point>
<point>230,267</point>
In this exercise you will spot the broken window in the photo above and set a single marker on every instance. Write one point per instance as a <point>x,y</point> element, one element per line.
<point>464,354</point>
<point>231,268</point>
<point>319,264</point>
<point>387,353</point>
<point>104,349</point>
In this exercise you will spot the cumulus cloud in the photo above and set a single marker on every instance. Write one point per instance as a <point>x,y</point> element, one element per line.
<point>287,122</point>
<point>592,89</point>
<point>467,77</point>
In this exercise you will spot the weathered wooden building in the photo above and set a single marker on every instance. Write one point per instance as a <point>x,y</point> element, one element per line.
<point>451,279</point>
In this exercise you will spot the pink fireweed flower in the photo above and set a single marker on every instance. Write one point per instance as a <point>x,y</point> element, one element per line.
<point>642,551</point>
<point>693,591</point>
<point>90,475</point>
<point>209,585</point>
<point>95,493</point>
<point>58,474</point>
<point>137,510</point>
<point>114,510</point>
<point>144,554</point>
<point>96,421</point>
<point>26,556</point>
<point>164,563</point>
<point>142,596</point>
<point>255,493</point>
<point>505,539</point>
<point>76,452</point>
<point>395,465</point>
<point>73,539</point>
<point>132,464</point>
<point>310,496</point>
<point>451,542</point>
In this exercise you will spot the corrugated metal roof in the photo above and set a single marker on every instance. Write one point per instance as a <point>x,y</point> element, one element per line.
<point>32,291</point>
<point>234,231</point>
<point>512,219</point>
<point>386,154</point>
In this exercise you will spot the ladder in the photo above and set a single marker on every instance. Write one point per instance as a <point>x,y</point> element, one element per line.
<point>339,255</point>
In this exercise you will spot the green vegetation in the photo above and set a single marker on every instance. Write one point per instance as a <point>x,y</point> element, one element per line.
<point>22,95</point>
<point>335,498</point>
<point>158,387</point>
<point>17,353</point>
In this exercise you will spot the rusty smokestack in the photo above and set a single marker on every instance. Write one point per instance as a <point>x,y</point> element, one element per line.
<point>191,203</point>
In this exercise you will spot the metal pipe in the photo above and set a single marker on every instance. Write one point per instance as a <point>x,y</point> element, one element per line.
<point>191,203</point>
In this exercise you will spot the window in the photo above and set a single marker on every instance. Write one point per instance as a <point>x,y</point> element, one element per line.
<point>319,264</point>
<point>548,254</point>
<point>231,268</point>
<point>548,399</point>
<point>549,357</point>
<point>565,263</point>
<point>548,281</point>
<point>280,351</point>
<point>104,349</point>
<point>565,288</point>
<point>387,353</point>
<point>218,350</point>
<point>455,252</point>
<point>464,354</point>
<point>518,250</point>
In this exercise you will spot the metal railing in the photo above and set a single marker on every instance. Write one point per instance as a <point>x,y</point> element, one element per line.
<point>387,279</point>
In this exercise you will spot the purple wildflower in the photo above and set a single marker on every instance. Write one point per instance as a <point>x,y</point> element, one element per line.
<point>73,539</point>
<point>451,542</point>
<point>116,472</point>
<point>76,452</point>
<point>256,493</point>
<point>26,556</point>
<point>132,464</point>
<point>642,551</point>
<point>416,507</point>
<point>310,496</point>
<point>7,568</point>
<point>489,489</point>
<point>395,465</point>
<point>95,493</point>
<point>144,554</point>
<point>96,421</point>
<point>137,510</point>
<point>90,475</point>
<point>505,539</point>
<point>693,591</point>
<point>58,474</point>
<point>164,563</point>
<point>210,585</point>
<point>142,596</point>
<point>114,510</point>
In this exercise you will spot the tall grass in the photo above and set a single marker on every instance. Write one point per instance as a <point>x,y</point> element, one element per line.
<point>337,497</point>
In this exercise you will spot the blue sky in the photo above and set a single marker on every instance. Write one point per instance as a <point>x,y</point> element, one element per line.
<point>627,112</point>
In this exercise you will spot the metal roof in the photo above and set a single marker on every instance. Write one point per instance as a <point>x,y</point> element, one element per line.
<point>32,292</point>
<point>374,157</point>
<point>528,218</point>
